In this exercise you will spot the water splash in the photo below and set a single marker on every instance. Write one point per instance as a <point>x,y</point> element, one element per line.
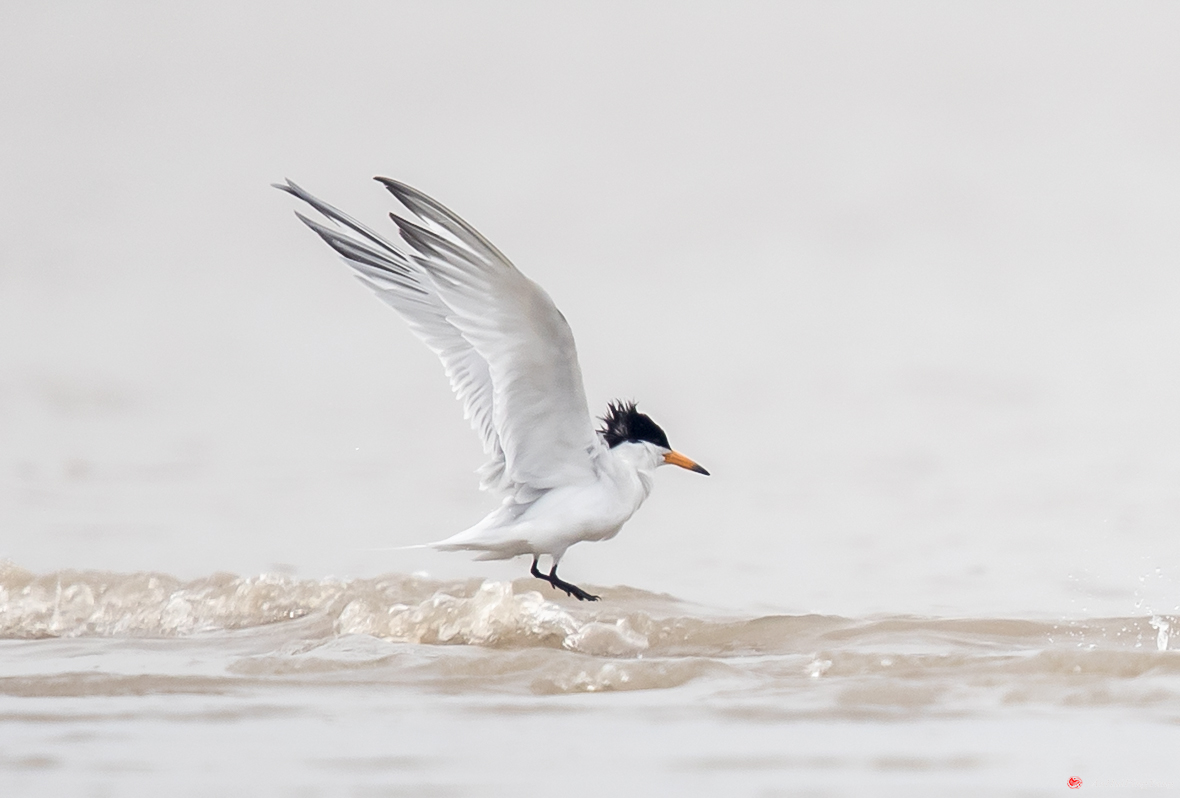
<point>1163,628</point>
<point>505,633</point>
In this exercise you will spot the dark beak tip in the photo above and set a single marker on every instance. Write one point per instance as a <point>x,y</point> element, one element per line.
<point>701,470</point>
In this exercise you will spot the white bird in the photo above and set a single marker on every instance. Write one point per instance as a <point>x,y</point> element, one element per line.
<point>510,357</point>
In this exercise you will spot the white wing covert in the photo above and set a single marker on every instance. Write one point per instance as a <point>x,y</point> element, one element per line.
<point>507,350</point>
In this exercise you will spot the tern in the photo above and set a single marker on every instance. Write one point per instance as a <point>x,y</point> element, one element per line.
<point>511,361</point>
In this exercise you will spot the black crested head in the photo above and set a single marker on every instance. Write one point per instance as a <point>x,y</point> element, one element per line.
<point>623,423</point>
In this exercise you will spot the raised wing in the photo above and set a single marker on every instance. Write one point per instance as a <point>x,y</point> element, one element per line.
<point>507,350</point>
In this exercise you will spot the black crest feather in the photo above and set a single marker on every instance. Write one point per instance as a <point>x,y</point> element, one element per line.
<point>623,423</point>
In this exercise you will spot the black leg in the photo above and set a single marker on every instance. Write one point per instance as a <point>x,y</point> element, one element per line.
<point>553,579</point>
<point>570,590</point>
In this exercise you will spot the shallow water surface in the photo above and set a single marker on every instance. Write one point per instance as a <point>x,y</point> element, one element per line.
<point>144,684</point>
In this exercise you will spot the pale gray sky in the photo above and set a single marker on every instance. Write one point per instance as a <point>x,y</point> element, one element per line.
<point>904,278</point>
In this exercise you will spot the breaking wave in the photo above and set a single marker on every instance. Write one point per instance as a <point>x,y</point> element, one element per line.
<point>507,635</point>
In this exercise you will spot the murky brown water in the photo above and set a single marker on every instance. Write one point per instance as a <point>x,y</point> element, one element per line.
<point>143,684</point>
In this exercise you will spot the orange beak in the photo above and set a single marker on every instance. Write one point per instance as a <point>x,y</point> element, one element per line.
<point>676,458</point>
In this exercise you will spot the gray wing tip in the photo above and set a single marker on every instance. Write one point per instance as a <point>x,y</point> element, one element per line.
<point>436,214</point>
<point>398,188</point>
<point>294,189</point>
<point>312,223</point>
<point>389,182</point>
<point>414,199</point>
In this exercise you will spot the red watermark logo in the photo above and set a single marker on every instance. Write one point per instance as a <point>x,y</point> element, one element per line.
<point>1074,782</point>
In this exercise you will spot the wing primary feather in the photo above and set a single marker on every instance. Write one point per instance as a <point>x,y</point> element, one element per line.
<point>433,211</point>
<point>364,259</point>
<point>429,243</point>
<point>380,280</point>
<point>353,249</point>
<point>335,214</point>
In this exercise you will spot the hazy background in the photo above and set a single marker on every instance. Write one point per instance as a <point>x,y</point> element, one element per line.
<point>904,279</point>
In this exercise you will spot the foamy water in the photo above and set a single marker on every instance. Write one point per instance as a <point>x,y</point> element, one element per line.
<point>346,685</point>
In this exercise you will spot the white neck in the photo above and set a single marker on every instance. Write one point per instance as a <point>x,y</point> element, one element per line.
<point>638,461</point>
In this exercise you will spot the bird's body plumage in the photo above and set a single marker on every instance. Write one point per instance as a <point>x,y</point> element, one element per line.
<point>511,360</point>
<point>562,516</point>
